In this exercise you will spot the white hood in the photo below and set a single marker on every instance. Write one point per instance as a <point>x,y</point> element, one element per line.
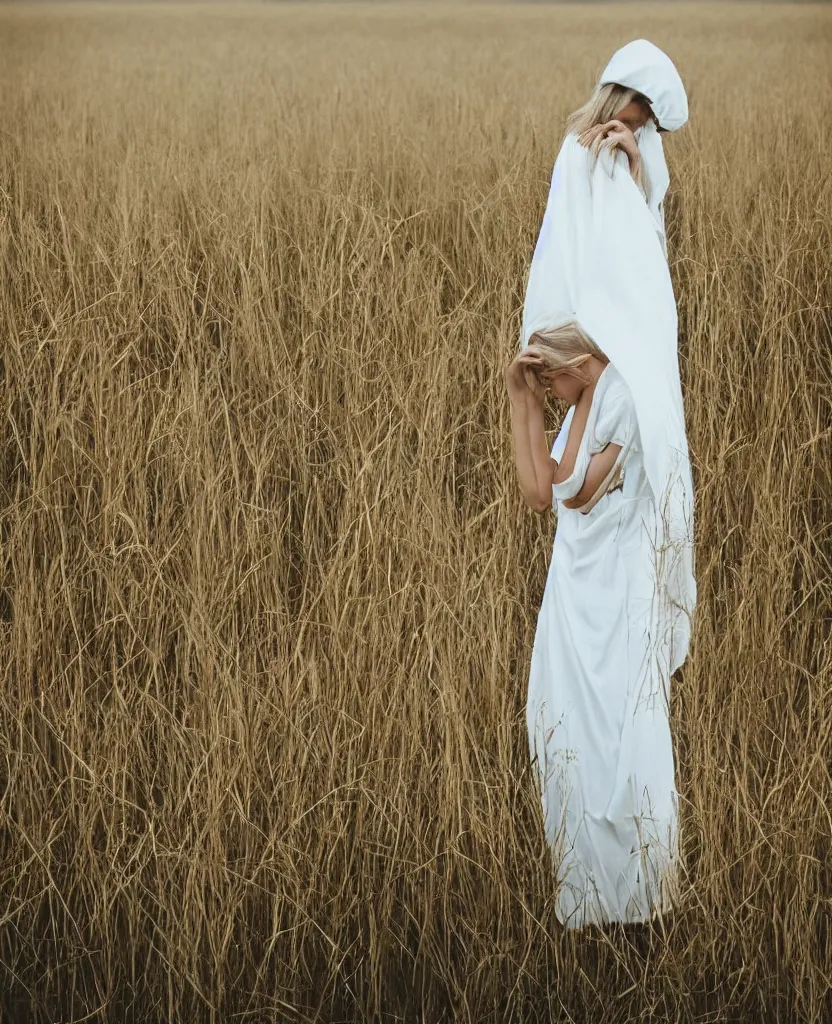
<point>643,66</point>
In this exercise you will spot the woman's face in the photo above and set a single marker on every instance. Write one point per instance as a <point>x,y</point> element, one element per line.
<point>562,384</point>
<point>636,114</point>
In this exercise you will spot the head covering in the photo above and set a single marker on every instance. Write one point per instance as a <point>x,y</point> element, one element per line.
<point>642,66</point>
<point>601,259</point>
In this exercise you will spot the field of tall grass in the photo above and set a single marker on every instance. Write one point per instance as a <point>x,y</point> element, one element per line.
<point>269,587</point>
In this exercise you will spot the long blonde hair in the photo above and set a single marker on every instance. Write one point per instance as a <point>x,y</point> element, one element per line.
<point>602,106</point>
<point>564,347</point>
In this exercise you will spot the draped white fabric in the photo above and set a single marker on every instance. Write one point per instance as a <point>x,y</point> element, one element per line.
<point>620,595</point>
<point>600,258</point>
<point>597,711</point>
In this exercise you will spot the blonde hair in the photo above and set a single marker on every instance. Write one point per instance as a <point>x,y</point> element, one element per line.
<point>602,106</point>
<point>564,348</point>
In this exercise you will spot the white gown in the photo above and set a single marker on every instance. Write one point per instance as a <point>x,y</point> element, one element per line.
<point>597,711</point>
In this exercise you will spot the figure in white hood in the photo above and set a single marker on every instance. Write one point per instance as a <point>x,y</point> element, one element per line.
<point>600,331</point>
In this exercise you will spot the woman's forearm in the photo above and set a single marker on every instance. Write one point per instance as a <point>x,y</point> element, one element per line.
<point>544,464</point>
<point>531,456</point>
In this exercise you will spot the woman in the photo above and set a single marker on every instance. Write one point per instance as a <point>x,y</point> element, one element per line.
<point>599,331</point>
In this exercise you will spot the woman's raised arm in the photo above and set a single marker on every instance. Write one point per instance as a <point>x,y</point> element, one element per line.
<point>535,465</point>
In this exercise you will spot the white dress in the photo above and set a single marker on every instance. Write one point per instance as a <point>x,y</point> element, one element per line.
<point>597,711</point>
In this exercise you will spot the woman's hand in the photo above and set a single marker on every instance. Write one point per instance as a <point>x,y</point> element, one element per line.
<point>521,378</point>
<point>615,133</point>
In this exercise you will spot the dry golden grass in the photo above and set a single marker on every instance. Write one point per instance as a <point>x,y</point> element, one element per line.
<point>269,586</point>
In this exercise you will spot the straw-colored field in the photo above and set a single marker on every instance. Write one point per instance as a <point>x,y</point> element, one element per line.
<point>269,587</point>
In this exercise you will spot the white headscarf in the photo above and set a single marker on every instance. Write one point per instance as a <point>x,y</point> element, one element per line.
<point>601,259</point>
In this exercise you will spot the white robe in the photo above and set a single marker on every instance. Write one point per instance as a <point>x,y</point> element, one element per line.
<point>616,615</point>
<point>597,712</point>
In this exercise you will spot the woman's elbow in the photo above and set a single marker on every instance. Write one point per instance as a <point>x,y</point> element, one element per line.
<point>576,500</point>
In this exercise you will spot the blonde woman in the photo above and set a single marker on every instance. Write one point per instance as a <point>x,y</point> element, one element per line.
<point>599,334</point>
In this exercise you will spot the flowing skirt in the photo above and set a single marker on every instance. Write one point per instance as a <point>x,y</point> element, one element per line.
<point>598,722</point>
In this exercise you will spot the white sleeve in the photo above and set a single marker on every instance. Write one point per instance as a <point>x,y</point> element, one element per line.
<point>616,420</point>
<point>569,487</point>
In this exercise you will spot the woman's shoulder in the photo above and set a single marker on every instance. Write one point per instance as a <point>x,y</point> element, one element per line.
<point>617,386</point>
<point>616,412</point>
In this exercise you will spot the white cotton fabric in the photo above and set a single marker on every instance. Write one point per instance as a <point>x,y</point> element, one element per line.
<point>596,710</point>
<point>612,421</point>
<point>601,259</point>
